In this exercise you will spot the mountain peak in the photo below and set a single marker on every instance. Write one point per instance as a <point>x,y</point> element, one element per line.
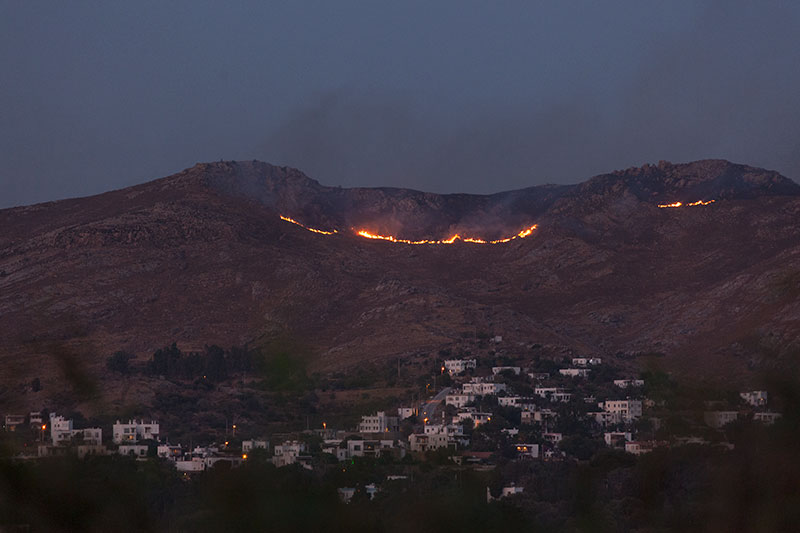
<point>708,179</point>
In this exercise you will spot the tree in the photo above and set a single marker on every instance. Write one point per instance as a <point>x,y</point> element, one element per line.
<point>119,362</point>
<point>36,385</point>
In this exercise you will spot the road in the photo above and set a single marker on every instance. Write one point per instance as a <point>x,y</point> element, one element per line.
<point>429,409</point>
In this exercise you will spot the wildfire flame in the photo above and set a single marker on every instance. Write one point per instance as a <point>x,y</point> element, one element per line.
<point>293,221</point>
<point>391,238</point>
<point>369,235</point>
<point>681,204</point>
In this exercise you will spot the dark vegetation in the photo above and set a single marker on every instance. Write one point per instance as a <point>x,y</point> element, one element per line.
<point>755,487</point>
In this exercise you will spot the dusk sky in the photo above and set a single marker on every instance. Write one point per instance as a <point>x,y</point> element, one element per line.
<point>440,96</point>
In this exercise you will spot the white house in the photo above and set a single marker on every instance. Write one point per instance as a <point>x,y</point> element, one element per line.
<point>482,388</point>
<point>370,448</point>
<point>538,376</point>
<point>133,450</point>
<point>166,451</point>
<point>510,401</point>
<point>586,361</point>
<point>288,452</point>
<point>628,409</point>
<point>194,465</point>
<point>35,420</point>
<point>253,444</point>
<point>528,450</point>
<point>554,438</point>
<point>477,418</point>
<point>134,431</point>
<point>766,417</point>
<point>62,432</point>
<point>536,415</point>
<point>459,399</point>
<point>422,443</point>
<point>498,369</point>
<point>451,430</point>
<point>574,372</point>
<point>554,394</point>
<point>756,398</point>
<point>12,421</point>
<point>378,423</point>
<point>625,383</point>
<point>457,366</point>
<point>60,428</point>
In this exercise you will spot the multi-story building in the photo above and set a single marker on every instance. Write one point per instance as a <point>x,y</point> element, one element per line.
<point>288,453</point>
<point>756,398</point>
<point>14,421</point>
<point>133,450</point>
<point>628,409</point>
<point>60,428</point>
<point>134,431</point>
<point>254,444</point>
<point>457,366</point>
<point>378,423</point>
<point>554,394</point>
<point>373,448</point>
<point>483,388</point>
<point>477,418</point>
<point>459,399</point>
<point>527,450</point>
<point>422,443</point>
<point>530,416</point>
<point>166,451</point>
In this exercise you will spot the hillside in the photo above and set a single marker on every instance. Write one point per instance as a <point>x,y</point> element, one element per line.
<point>203,257</point>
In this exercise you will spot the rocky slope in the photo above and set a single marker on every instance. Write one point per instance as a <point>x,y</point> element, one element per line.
<point>202,257</point>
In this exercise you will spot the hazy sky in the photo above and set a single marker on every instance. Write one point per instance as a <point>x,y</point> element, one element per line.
<point>442,96</point>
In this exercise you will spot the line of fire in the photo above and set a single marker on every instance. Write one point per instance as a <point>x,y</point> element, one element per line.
<point>369,235</point>
<point>681,204</point>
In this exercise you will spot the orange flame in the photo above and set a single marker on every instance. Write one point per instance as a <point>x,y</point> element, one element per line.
<point>369,235</point>
<point>391,238</point>
<point>681,204</point>
<point>293,221</point>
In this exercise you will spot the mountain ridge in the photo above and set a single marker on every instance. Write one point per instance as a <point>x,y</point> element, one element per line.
<point>202,257</point>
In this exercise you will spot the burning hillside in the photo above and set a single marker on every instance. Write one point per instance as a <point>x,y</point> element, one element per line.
<point>391,238</point>
<point>681,204</point>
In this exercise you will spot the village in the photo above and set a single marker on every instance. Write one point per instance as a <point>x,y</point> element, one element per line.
<point>479,416</point>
